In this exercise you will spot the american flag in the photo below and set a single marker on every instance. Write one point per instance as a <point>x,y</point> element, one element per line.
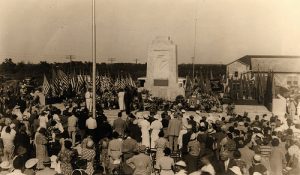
<point>55,83</point>
<point>46,86</point>
<point>63,79</point>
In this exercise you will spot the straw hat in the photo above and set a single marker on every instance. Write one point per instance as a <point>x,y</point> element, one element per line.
<point>5,165</point>
<point>180,163</point>
<point>31,162</point>
<point>236,170</point>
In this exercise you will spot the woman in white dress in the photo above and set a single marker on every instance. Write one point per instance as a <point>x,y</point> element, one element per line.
<point>121,100</point>
<point>156,126</point>
<point>145,127</point>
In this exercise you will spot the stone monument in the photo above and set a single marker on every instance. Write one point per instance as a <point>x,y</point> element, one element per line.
<point>162,69</point>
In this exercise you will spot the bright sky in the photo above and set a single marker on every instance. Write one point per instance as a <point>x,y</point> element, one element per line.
<point>35,30</point>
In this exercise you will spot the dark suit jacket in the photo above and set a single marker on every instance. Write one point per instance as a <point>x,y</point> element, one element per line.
<point>220,167</point>
<point>119,125</point>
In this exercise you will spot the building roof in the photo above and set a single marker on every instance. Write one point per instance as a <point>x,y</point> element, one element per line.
<point>275,63</point>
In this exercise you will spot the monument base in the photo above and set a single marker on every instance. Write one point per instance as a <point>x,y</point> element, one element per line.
<point>165,92</point>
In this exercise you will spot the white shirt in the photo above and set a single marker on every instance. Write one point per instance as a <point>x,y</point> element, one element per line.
<point>8,138</point>
<point>43,121</point>
<point>209,168</point>
<point>226,164</point>
<point>88,95</point>
<point>91,123</point>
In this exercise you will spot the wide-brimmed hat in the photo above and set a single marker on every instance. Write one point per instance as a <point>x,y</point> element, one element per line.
<point>5,165</point>
<point>256,158</point>
<point>181,163</point>
<point>47,161</point>
<point>31,162</point>
<point>236,170</point>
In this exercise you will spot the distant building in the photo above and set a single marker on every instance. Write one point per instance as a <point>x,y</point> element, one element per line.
<point>286,69</point>
<point>286,73</point>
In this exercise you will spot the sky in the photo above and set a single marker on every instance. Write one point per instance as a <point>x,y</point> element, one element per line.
<point>50,30</point>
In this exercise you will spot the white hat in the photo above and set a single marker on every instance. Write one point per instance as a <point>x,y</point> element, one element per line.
<point>189,127</point>
<point>31,162</point>
<point>183,111</point>
<point>236,170</point>
<point>257,158</point>
<point>180,163</point>
<point>257,173</point>
<point>193,136</point>
<point>5,165</point>
<point>12,125</point>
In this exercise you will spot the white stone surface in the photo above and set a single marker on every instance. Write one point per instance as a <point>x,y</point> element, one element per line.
<point>162,65</point>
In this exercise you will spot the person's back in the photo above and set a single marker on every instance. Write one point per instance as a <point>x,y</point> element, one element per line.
<point>174,127</point>
<point>119,125</point>
<point>142,164</point>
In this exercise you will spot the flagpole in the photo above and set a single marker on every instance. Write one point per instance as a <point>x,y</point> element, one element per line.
<point>94,57</point>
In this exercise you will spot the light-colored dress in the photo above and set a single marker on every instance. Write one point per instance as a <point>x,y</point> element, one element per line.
<point>145,126</point>
<point>156,126</point>
<point>89,155</point>
<point>161,143</point>
<point>114,151</point>
<point>41,150</point>
<point>165,165</point>
<point>121,100</point>
<point>277,160</point>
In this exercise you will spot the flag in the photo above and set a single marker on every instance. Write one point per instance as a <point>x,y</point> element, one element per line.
<point>54,84</point>
<point>64,80</point>
<point>46,85</point>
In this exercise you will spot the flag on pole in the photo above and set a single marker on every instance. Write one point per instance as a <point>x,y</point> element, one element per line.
<point>46,85</point>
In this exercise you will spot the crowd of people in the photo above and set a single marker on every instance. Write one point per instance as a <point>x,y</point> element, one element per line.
<point>68,140</point>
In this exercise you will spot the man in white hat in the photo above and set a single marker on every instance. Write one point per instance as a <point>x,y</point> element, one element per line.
<point>180,168</point>
<point>257,166</point>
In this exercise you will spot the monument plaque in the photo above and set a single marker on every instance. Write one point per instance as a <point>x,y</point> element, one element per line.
<point>162,69</point>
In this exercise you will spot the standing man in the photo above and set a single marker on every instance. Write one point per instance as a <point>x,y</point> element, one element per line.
<point>89,99</point>
<point>119,125</point>
<point>141,163</point>
<point>91,125</point>
<point>173,132</point>
<point>72,124</point>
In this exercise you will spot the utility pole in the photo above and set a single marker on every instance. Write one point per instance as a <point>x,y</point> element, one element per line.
<point>136,61</point>
<point>71,58</point>
<point>193,60</point>
<point>111,60</point>
<point>94,56</point>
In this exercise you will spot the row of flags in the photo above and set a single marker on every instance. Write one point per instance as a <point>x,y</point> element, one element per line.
<point>78,83</point>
